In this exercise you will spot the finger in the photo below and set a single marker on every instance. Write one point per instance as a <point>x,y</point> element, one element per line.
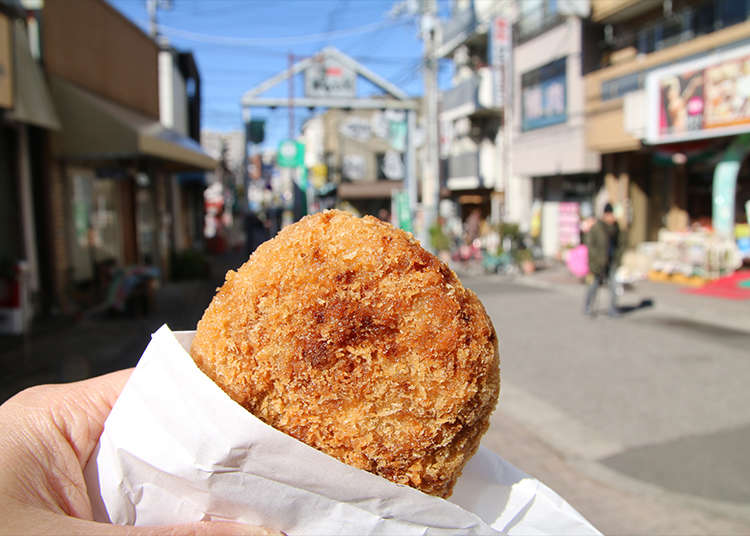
<point>46,523</point>
<point>83,408</point>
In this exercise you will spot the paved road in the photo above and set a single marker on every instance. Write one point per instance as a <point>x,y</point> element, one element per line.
<point>644,413</point>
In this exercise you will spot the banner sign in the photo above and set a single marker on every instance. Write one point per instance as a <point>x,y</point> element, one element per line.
<point>725,185</point>
<point>499,55</point>
<point>403,212</point>
<point>705,98</point>
<point>543,96</point>
<point>328,78</point>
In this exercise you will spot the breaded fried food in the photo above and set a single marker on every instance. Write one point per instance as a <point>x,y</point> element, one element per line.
<point>345,334</point>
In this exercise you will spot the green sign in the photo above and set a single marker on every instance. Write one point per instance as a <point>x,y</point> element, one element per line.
<point>291,153</point>
<point>403,212</point>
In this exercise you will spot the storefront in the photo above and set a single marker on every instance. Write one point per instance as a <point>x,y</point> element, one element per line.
<point>26,116</point>
<point>560,204</point>
<point>698,125</point>
<point>115,167</point>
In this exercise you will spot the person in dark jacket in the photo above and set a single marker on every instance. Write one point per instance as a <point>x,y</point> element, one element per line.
<point>605,243</point>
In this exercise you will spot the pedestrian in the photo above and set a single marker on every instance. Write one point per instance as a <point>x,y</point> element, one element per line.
<point>605,243</point>
<point>47,435</point>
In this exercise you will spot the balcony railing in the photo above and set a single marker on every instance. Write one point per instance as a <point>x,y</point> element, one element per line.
<point>472,169</point>
<point>456,29</point>
<point>471,95</point>
<point>463,94</point>
<point>463,165</point>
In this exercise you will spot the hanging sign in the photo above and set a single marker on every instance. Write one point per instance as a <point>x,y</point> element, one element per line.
<point>328,78</point>
<point>291,153</point>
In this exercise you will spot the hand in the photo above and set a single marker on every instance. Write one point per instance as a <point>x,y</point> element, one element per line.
<point>47,434</point>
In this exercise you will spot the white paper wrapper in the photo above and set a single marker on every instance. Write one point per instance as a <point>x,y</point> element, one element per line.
<point>177,449</point>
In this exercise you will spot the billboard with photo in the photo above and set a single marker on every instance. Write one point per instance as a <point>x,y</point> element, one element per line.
<point>703,98</point>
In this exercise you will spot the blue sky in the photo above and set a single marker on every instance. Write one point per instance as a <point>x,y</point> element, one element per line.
<point>393,50</point>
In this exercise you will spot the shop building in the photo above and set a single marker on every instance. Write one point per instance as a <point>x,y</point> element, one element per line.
<point>358,155</point>
<point>27,116</point>
<point>667,111</point>
<point>555,176</point>
<point>180,111</point>
<point>108,181</point>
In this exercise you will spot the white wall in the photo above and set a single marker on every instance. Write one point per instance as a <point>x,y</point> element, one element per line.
<point>172,94</point>
<point>556,149</point>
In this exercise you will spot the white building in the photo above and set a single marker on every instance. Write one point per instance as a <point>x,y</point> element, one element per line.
<point>471,114</point>
<point>551,163</point>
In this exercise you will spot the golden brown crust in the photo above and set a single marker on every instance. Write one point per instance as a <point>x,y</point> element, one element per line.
<point>345,334</point>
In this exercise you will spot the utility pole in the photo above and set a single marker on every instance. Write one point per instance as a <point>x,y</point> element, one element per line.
<point>151,8</point>
<point>431,168</point>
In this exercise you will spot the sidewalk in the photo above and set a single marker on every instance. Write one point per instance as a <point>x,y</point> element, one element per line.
<point>62,350</point>
<point>654,299</point>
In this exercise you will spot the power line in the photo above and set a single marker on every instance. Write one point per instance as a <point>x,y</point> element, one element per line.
<point>271,41</point>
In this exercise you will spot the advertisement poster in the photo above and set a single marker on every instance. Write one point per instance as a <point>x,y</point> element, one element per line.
<point>568,222</point>
<point>704,98</point>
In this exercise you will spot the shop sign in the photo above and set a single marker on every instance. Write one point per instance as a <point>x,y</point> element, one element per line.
<point>291,153</point>
<point>543,96</point>
<point>704,98</point>
<point>393,166</point>
<point>354,167</point>
<point>319,175</point>
<point>499,54</point>
<point>356,128</point>
<point>397,133</point>
<point>403,212</point>
<point>328,78</point>
<point>6,66</point>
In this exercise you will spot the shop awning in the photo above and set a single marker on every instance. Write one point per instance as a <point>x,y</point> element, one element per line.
<point>94,128</point>
<point>33,104</point>
<point>369,189</point>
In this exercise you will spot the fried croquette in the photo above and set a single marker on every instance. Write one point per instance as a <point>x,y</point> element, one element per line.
<point>344,333</point>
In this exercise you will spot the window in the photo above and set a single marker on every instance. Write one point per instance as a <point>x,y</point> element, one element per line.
<point>536,16</point>
<point>544,96</point>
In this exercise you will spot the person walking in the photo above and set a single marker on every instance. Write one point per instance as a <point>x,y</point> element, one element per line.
<point>605,243</point>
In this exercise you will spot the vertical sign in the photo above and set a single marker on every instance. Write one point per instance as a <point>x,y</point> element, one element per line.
<point>6,68</point>
<point>499,57</point>
<point>403,213</point>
